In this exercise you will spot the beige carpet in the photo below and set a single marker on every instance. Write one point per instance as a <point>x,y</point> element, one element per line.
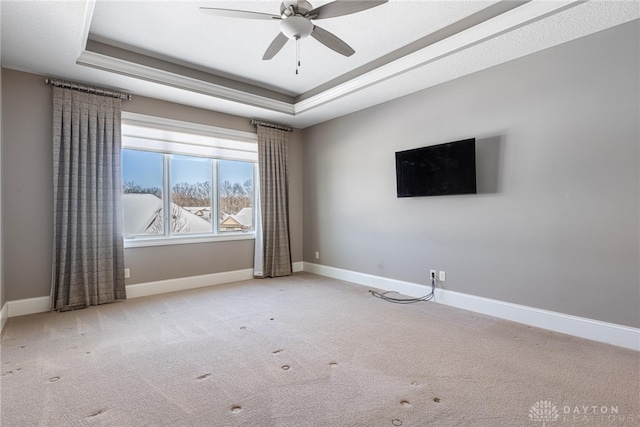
<point>305,351</point>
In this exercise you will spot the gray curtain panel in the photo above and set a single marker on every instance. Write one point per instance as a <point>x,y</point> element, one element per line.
<point>274,201</point>
<point>88,252</point>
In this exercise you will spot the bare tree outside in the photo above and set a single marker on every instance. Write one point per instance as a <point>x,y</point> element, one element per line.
<point>179,223</point>
<point>197,194</point>
<point>171,193</point>
<point>248,187</point>
<point>234,197</point>
<point>131,187</point>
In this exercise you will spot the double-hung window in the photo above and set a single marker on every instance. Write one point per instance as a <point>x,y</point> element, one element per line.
<point>184,182</point>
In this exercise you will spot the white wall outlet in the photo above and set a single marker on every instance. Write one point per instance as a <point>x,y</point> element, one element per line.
<point>442,277</point>
<point>317,255</point>
<point>127,273</point>
<point>433,275</point>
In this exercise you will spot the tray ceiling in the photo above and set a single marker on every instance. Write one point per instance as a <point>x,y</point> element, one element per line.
<point>172,51</point>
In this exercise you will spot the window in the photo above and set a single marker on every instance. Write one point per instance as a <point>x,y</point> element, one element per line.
<point>186,183</point>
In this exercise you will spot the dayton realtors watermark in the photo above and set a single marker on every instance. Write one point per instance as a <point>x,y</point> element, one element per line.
<point>547,412</point>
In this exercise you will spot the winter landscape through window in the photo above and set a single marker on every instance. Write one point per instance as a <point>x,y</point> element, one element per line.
<point>186,186</point>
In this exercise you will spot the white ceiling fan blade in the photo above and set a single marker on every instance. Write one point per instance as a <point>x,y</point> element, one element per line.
<point>244,14</point>
<point>275,46</point>
<point>331,41</point>
<point>341,8</point>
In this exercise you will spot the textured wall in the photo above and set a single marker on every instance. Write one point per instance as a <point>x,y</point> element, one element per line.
<point>555,225</point>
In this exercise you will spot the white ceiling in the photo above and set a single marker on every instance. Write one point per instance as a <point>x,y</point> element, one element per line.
<point>169,50</point>
<point>235,46</point>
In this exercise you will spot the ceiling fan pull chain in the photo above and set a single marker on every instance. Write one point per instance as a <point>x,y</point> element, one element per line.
<point>297,54</point>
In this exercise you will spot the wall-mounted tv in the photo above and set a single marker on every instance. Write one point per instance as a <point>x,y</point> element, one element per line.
<point>437,170</point>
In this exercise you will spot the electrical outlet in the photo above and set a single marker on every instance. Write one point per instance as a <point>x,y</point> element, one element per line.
<point>127,273</point>
<point>317,255</point>
<point>433,274</point>
<point>442,276</point>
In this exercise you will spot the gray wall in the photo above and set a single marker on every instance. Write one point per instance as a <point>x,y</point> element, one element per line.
<point>27,170</point>
<point>27,202</point>
<point>2,292</point>
<point>555,225</point>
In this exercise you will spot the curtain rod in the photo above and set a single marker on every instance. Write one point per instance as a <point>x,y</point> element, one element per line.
<point>271,125</point>
<point>89,89</point>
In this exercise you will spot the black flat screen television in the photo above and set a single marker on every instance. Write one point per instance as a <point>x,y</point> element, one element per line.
<point>437,170</point>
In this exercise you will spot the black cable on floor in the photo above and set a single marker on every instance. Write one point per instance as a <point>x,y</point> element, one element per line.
<point>427,297</point>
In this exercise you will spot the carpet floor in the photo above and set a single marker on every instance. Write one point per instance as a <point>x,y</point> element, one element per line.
<point>304,351</point>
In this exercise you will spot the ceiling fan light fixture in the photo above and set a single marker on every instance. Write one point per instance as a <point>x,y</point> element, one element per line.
<point>296,27</point>
<point>295,22</point>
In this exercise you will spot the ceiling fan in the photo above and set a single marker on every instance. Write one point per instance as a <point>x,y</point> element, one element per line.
<point>295,22</point>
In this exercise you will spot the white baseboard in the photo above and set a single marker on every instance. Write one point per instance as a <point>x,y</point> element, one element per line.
<point>41,304</point>
<point>26,306</point>
<point>3,316</point>
<point>596,330</point>
<point>193,282</point>
<point>297,267</point>
<point>183,283</point>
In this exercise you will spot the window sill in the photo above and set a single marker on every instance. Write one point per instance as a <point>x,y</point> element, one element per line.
<point>142,242</point>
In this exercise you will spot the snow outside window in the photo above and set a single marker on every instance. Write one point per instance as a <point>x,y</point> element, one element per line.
<point>186,183</point>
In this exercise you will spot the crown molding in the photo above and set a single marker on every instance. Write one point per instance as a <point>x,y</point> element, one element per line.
<point>405,65</point>
<point>500,24</point>
<point>515,18</point>
<point>86,25</point>
<point>131,69</point>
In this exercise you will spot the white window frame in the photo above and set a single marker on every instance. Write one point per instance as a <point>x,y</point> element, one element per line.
<point>192,139</point>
